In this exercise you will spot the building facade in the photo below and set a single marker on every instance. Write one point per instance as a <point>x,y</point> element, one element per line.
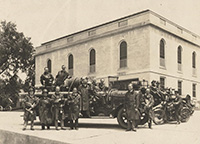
<point>144,45</point>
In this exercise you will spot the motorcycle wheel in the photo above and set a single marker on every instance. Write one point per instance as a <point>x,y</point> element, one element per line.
<point>121,118</point>
<point>185,114</point>
<point>158,116</point>
<point>8,108</point>
<point>143,119</point>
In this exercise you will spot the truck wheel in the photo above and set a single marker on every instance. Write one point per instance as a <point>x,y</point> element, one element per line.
<point>158,116</point>
<point>121,118</point>
<point>1,108</point>
<point>185,114</point>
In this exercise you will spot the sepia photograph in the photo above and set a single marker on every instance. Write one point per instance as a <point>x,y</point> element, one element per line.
<point>99,72</point>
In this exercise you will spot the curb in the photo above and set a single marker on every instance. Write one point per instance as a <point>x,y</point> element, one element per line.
<point>7,137</point>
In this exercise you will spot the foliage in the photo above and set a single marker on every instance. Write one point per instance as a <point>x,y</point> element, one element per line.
<point>16,54</point>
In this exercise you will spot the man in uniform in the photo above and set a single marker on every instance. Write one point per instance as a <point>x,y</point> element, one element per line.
<point>61,76</point>
<point>131,106</point>
<point>149,102</point>
<point>58,104</point>
<point>46,78</point>
<point>45,114</point>
<point>177,102</point>
<point>84,92</point>
<point>102,86</point>
<point>29,104</point>
<point>74,108</point>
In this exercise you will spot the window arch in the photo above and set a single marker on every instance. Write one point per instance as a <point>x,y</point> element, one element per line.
<point>70,64</point>
<point>123,54</point>
<point>179,55</point>
<point>194,59</point>
<point>162,48</point>
<point>92,60</point>
<point>49,65</point>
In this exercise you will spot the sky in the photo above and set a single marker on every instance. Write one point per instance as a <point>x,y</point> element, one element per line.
<point>45,20</point>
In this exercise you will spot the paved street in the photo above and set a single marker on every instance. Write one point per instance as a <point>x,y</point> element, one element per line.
<point>107,131</point>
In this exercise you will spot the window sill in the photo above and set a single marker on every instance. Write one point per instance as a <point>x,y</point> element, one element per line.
<point>123,69</point>
<point>180,72</point>
<point>92,73</point>
<point>194,76</point>
<point>162,67</point>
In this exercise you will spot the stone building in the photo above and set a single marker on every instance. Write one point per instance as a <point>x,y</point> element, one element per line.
<point>144,45</point>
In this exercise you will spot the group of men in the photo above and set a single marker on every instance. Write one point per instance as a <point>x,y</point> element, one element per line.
<point>53,108</point>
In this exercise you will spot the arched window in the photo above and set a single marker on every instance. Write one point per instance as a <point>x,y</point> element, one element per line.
<point>123,54</point>
<point>49,65</point>
<point>162,48</point>
<point>194,59</point>
<point>92,60</point>
<point>179,55</point>
<point>162,52</point>
<point>70,64</point>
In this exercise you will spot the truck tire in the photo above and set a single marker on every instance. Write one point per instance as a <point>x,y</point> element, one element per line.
<point>158,116</point>
<point>1,108</point>
<point>121,118</point>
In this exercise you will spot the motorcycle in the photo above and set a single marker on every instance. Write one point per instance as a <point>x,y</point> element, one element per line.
<point>165,112</point>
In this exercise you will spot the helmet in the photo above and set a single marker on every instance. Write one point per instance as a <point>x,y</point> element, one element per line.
<point>45,91</point>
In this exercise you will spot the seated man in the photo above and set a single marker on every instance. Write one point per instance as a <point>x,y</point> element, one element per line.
<point>47,79</point>
<point>61,77</point>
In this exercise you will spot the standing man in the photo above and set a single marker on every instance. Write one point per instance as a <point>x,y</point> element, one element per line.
<point>74,108</point>
<point>131,106</point>
<point>29,104</point>
<point>61,76</point>
<point>58,111</point>
<point>45,114</point>
<point>84,92</point>
<point>177,102</point>
<point>46,78</point>
<point>149,102</point>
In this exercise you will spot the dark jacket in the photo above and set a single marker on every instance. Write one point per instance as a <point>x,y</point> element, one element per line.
<point>74,106</point>
<point>61,77</point>
<point>57,107</point>
<point>84,92</point>
<point>131,105</point>
<point>29,105</point>
<point>45,114</point>
<point>46,79</point>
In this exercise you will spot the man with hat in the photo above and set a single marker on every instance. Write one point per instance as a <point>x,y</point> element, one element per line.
<point>84,92</point>
<point>29,104</point>
<point>58,111</point>
<point>45,114</point>
<point>74,108</point>
<point>131,104</point>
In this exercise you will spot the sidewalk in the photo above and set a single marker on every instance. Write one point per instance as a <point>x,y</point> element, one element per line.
<point>98,131</point>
